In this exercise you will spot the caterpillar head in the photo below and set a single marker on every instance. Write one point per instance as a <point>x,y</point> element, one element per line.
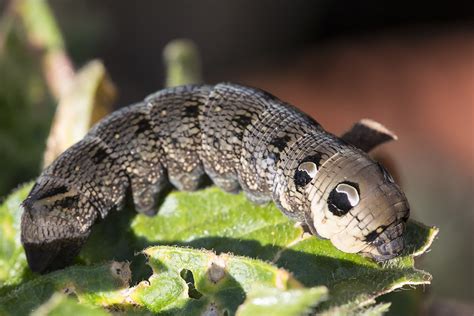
<point>356,204</point>
<point>52,231</point>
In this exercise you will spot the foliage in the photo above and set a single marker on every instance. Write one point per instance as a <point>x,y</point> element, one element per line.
<point>258,256</point>
<point>26,111</point>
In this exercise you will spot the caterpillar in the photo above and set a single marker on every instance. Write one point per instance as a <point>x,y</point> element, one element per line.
<point>241,138</point>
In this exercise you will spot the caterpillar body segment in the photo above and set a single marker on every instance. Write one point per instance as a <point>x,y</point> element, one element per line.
<point>242,139</point>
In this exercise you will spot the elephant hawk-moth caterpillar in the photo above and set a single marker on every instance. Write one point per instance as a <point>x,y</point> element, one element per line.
<point>241,138</point>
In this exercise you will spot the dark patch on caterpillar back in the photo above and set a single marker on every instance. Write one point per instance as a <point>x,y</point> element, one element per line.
<point>68,202</point>
<point>302,178</point>
<point>99,156</point>
<point>51,192</point>
<point>191,111</point>
<point>242,121</point>
<point>280,142</point>
<point>143,126</point>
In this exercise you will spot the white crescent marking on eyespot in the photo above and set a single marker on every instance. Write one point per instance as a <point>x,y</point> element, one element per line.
<point>309,167</point>
<point>350,191</point>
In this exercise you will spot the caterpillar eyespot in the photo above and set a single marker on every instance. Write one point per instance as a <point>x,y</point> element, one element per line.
<point>305,173</point>
<point>343,198</point>
<point>242,139</point>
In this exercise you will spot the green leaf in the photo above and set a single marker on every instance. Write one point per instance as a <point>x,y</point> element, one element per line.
<point>216,220</point>
<point>272,301</point>
<point>97,285</point>
<point>189,281</point>
<point>373,310</point>
<point>60,304</point>
<point>229,224</point>
<point>12,257</point>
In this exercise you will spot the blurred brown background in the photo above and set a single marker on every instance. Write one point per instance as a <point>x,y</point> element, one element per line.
<point>407,65</point>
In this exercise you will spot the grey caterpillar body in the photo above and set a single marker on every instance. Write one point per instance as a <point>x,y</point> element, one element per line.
<point>243,139</point>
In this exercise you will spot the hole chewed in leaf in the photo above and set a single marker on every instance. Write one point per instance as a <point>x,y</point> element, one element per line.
<point>188,276</point>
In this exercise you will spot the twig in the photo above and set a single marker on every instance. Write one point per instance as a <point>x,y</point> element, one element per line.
<point>90,97</point>
<point>44,36</point>
<point>182,62</point>
<point>6,21</point>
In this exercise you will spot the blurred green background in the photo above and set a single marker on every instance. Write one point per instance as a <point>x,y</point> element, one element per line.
<point>409,66</point>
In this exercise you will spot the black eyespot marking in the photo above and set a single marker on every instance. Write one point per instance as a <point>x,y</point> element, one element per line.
<point>99,156</point>
<point>301,177</point>
<point>387,176</point>
<point>340,202</point>
<point>143,126</point>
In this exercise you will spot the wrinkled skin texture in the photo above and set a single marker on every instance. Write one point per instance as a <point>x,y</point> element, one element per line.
<point>242,139</point>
